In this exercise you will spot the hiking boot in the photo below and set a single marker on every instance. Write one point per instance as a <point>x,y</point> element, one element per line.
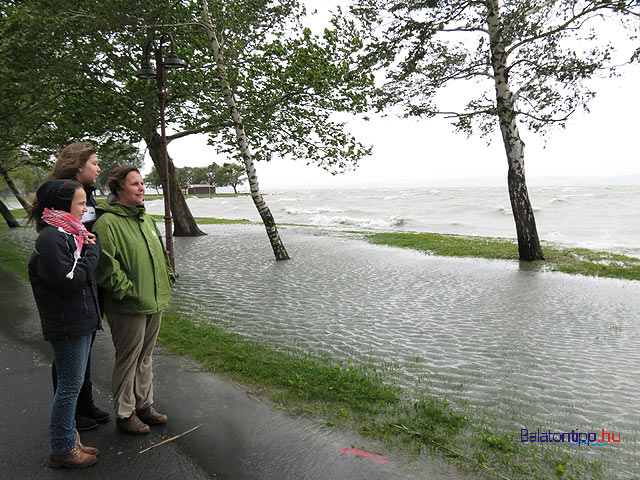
<point>85,423</point>
<point>150,416</point>
<point>94,413</point>
<point>74,458</point>
<point>84,448</point>
<point>132,425</point>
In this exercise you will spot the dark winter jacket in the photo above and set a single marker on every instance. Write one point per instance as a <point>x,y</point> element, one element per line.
<point>68,307</point>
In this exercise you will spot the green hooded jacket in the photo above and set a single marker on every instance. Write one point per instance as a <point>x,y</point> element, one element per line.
<point>133,270</point>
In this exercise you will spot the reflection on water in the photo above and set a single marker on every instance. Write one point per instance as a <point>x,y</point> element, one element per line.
<point>537,349</point>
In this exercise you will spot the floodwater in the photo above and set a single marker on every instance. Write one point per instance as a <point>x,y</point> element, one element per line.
<point>533,349</point>
<point>536,349</point>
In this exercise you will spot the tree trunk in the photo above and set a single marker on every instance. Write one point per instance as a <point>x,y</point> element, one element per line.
<point>8,216</point>
<point>184,225</point>
<point>12,186</point>
<point>265,213</point>
<point>528,242</point>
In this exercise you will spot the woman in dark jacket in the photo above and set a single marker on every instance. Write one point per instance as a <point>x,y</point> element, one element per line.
<point>79,161</point>
<point>66,295</point>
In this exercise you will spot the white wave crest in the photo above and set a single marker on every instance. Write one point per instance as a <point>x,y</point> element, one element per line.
<point>302,211</point>
<point>335,221</point>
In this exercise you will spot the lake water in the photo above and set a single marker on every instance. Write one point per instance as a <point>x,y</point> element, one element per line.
<point>598,217</point>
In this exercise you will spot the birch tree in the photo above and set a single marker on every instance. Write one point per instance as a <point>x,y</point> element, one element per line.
<point>526,60</point>
<point>278,247</point>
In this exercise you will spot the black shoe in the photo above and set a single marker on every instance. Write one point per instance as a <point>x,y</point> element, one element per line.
<point>94,413</point>
<point>84,423</point>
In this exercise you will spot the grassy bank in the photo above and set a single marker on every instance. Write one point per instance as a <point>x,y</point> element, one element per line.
<point>11,259</point>
<point>207,221</point>
<point>579,261</point>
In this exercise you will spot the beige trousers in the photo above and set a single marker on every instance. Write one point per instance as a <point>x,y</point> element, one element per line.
<point>134,337</point>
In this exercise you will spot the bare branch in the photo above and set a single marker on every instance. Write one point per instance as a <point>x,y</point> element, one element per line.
<point>548,120</point>
<point>173,25</point>
<point>204,129</point>
<point>466,114</point>
<point>481,30</point>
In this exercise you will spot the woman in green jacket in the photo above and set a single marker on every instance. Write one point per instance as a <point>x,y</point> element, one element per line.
<point>136,277</point>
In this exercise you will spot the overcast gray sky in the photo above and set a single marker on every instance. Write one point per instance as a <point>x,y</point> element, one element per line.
<point>411,152</point>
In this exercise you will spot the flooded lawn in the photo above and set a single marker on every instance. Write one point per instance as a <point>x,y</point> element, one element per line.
<point>534,349</point>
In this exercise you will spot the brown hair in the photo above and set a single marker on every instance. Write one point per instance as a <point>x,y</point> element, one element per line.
<point>117,177</point>
<point>70,159</point>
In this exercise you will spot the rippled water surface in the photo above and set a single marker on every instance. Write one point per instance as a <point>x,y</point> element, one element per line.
<point>537,349</point>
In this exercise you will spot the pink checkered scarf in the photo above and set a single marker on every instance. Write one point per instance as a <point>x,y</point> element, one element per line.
<point>67,223</point>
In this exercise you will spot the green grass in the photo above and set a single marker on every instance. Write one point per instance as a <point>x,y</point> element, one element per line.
<point>303,377</point>
<point>11,259</point>
<point>208,221</point>
<point>579,261</point>
<point>338,394</point>
<point>19,213</point>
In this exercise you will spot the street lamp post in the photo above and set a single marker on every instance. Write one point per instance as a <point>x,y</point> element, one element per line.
<point>172,62</point>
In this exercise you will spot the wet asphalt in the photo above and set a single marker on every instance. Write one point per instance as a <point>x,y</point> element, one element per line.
<point>242,437</point>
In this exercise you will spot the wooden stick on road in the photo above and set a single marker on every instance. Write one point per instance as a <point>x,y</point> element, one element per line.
<point>170,439</point>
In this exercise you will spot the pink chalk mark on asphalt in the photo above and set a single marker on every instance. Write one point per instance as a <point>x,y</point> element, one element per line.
<point>375,458</point>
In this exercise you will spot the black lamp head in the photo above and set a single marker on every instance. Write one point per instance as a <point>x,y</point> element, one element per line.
<point>173,62</point>
<point>146,72</point>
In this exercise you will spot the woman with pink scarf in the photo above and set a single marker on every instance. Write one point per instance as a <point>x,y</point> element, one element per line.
<point>66,295</point>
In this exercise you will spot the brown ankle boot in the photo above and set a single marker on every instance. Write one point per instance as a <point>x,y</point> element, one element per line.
<point>84,448</point>
<point>151,416</point>
<point>132,425</point>
<point>74,458</point>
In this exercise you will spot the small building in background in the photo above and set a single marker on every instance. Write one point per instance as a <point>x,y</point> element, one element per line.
<point>200,189</point>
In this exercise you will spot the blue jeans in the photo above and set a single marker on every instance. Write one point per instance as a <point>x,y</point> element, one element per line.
<point>71,361</point>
